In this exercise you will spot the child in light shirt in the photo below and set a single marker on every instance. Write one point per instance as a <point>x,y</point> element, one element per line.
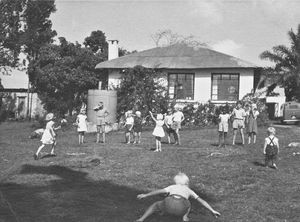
<point>129,121</point>
<point>223,127</point>
<point>239,115</point>
<point>177,202</point>
<point>178,117</point>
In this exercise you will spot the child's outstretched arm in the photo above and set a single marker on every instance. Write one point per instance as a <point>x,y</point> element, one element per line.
<point>155,192</point>
<point>205,204</point>
<point>152,116</point>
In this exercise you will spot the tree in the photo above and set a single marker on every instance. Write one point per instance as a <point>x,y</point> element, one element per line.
<point>62,74</point>
<point>168,37</point>
<point>141,89</point>
<point>24,27</point>
<point>287,64</point>
<point>10,33</point>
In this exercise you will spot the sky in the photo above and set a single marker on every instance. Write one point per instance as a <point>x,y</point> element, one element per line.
<point>241,28</point>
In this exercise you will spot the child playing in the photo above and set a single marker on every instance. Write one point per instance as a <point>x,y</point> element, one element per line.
<point>271,147</point>
<point>48,136</point>
<point>101,114</point>
<point>158,131</point>
<point>223,127</point>
<point>239,115</point>
<point>178,117</point>
<point>129,121</point>
<point>137,127</point>
<point>176,203</point>
<point>168,123</point>
<point>252,123</point>
<point>81,122</point>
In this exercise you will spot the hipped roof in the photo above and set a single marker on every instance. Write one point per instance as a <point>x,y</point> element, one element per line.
<point>178,56</point>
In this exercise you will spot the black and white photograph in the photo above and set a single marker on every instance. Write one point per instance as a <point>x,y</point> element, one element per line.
<point>149,110</point>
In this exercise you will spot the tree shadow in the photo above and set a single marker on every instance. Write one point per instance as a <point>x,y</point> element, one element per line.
<point>57,193</point>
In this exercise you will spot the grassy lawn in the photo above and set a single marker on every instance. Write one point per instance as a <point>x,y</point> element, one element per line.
<point>74,188</point>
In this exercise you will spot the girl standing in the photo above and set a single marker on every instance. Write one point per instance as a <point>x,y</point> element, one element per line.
<point>48,136</point>
<point>252,123</point>
<point>223,127</point>
<point>129,121</point>
<point>81,125</point>
<point>158,131</point>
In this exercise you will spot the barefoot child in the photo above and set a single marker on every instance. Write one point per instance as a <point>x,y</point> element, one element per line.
<point>239,115</point>
<point>158,131</point>
<point>101,113</point>
<point>48,136</point>
<point>81,122</point>
<point>137,127</point>
<point>129,121</point>
<point>252,124</point>
<point>168,125</point>
<point>271,148</point>
<point>178,117</point>
<point>176,203</point>
<point>223,127</point>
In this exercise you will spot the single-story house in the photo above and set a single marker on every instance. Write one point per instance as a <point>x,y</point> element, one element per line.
<point>15,98</point>
<point>193,74</point>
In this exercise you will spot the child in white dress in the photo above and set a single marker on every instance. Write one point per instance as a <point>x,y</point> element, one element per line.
<point>48,136</point>
<point>81,122</point>
<point>177,202</point>
<point>158,131</point>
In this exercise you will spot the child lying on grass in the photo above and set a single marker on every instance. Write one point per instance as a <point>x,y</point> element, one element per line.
<point>176,203</point>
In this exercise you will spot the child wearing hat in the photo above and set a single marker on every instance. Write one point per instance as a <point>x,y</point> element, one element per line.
<point>158,131</point>
<point>81,123</point>
<point>48,137</point>
<point>177,202</point>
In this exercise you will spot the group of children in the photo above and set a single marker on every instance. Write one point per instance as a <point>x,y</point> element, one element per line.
<point>177,202</point>
<point>242,118</point>
<point>170,121</point>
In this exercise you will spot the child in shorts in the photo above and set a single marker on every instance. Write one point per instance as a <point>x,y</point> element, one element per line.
<point>223,127</point>
<point>271,148</point>
<point>168,125</point>
<point>177,202</point>
<point>239,115</point>
<point>129,121</point>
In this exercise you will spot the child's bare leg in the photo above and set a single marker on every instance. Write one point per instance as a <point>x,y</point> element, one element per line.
<point>186,216</point>
<point>39,149</point>
<point>178,136</point>
<point>98,134</point>
<point>103,137</point>
<point>234,136</point>
<point>82,138</point>
<point>249,138</point>
<point>242,135</point>
<point>53,147</point>
<point>128,137</point>
<point>254,138</point>
<point>139,137</point>
<point>220,139</point>
<point>152,209</point>
<point>79,138</point>
<point>225,135</point>
<point>156,144</point>
<point>169,138</point>
<point>135,134</point>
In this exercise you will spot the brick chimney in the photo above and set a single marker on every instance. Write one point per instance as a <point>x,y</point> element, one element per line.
<point>113,49</point>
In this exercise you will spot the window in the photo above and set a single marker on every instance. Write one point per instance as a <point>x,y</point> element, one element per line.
<point>181,86</point>
<point>225,87</point>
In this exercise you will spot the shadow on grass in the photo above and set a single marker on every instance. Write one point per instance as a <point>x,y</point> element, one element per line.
<point>256,163</point>
<point>57,193</point>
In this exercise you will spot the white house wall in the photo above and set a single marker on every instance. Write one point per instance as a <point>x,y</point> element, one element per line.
<point>202,84</point>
